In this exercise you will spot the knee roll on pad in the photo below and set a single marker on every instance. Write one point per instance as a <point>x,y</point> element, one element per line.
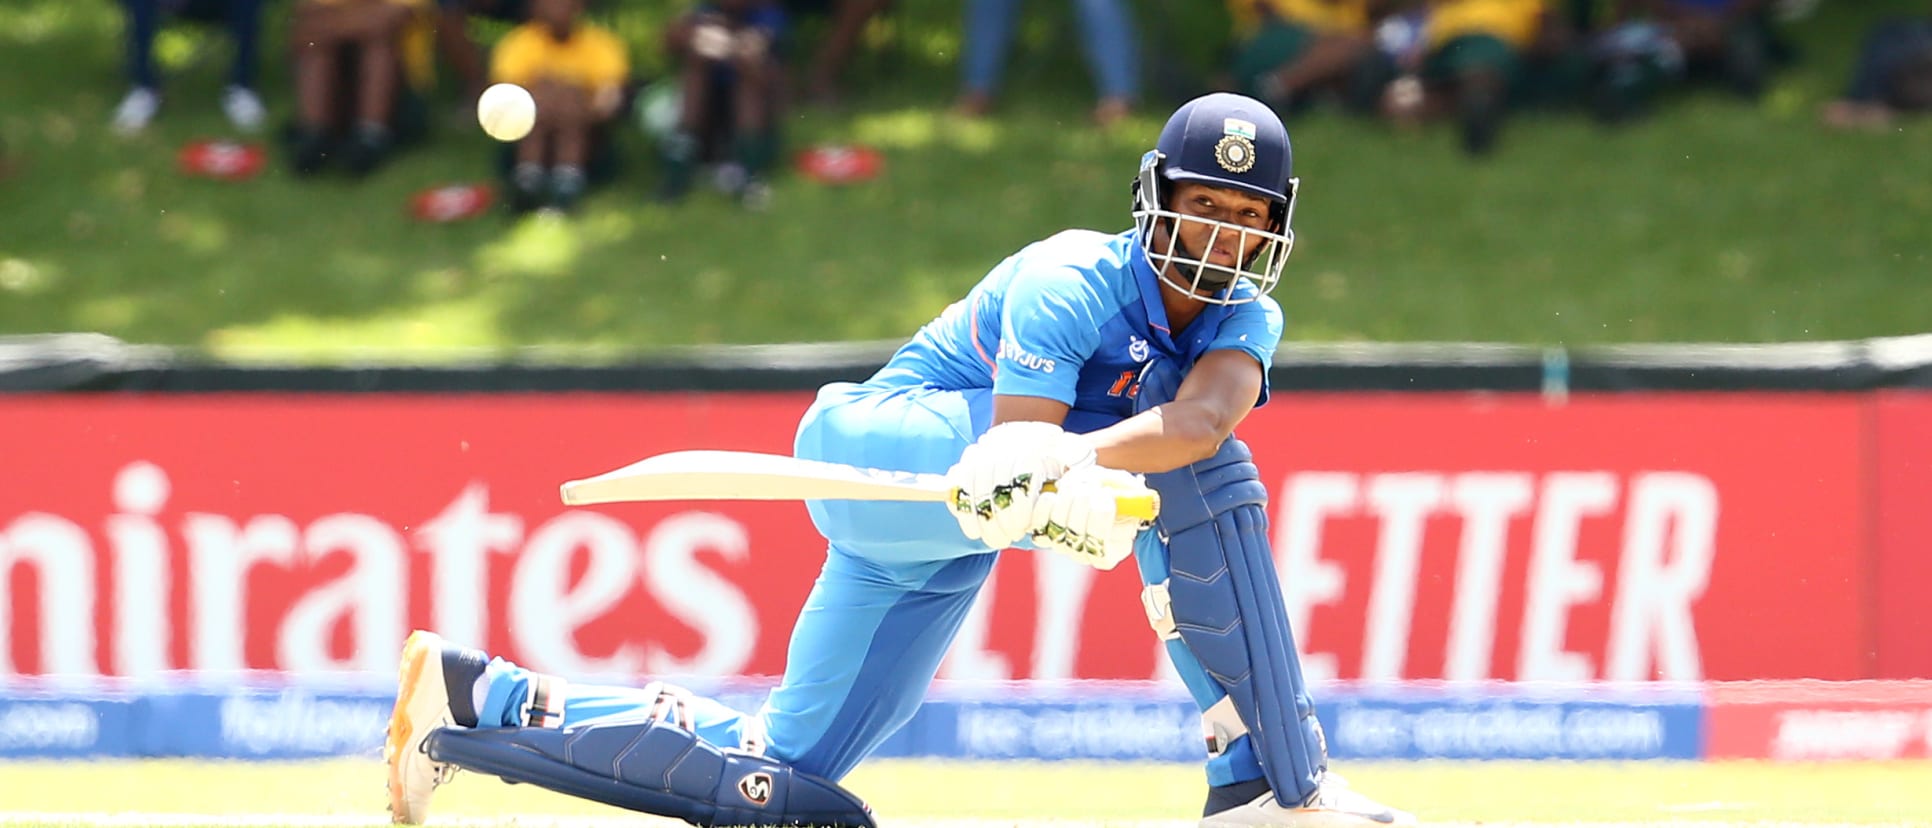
<point>1224,600</point>
<point>654,767</point>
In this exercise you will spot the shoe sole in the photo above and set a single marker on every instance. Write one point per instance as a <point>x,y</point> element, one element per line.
<point>420,654</point>
<point>1300,818</point>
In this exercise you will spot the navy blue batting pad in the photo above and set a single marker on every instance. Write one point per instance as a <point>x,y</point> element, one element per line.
<point>1228,608</point>
<point>656,768</point>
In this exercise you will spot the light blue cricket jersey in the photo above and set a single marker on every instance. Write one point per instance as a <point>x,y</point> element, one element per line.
<point>1074,318</point>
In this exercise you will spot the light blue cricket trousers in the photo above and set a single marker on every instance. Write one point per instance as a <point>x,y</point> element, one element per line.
<point>897,582</point>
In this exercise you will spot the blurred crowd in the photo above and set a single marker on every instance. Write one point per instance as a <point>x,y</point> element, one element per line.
<point>364,71</point>
<point>1474,61</point>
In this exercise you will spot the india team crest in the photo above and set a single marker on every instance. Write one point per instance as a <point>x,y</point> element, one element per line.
<point>1234,153</point>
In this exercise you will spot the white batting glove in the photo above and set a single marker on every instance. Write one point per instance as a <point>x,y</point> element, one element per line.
<point>998,479</point>
<point>1081,518</point>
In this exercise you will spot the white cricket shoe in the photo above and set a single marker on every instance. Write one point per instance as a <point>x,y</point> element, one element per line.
<point>422,706</point>
<point>136,110</point>
<point>1334,805</point>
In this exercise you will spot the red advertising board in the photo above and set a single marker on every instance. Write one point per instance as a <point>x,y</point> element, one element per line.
<point>1617,537</point>
<point>1420,536</point>
<point>1814,720</point>
<point>309,533</point>
<point>1904,534</point>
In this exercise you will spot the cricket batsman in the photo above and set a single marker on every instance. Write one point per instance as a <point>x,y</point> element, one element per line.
<point>1102,364</point>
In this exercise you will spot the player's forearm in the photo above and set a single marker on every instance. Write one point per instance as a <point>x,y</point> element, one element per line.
<point>1160,439</point>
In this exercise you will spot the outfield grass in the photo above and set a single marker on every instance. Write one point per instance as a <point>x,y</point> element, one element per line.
<point>1717,221</point>
<point>919,792</point>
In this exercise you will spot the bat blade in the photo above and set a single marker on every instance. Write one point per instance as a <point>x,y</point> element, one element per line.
<point>750,475</point>
<point>743,475</point>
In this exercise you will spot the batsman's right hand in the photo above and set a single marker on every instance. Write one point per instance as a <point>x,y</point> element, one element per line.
<point>998,479</point>
<point>1082,517</point>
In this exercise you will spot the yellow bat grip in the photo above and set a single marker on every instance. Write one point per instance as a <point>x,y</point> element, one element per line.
<point>1144,507</point>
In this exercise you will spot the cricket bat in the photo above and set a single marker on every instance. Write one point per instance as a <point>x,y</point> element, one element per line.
<point>750,475</point>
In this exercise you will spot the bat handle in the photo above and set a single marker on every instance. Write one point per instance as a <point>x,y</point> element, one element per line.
<point>1143,506</point>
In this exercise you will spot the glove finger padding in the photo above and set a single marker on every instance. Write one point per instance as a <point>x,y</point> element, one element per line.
<point>1081,519</point>
<point>999,478</point>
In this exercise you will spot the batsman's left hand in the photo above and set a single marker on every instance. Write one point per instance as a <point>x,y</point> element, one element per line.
<point>999,478</point>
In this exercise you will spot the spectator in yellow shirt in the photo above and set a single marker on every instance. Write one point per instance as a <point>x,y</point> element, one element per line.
<point>1470,56</point>
<point>1286,50</point>
<point>360,66</point>
<point>576,71</point>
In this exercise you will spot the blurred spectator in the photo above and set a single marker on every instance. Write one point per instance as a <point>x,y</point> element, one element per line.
<point>1107,38</point>
<point>1728,39</point>
<point>239,100</point>
<point>848,22</point>
<point>360,70</point>
<point>1289,49</point>
<point>729,79</point>
<point>1464,58</point>
<point>1631,61</point>
<point>464,54</point>
<point>1583,16</point>
<point>1893,76</point>
<point>576,71</point>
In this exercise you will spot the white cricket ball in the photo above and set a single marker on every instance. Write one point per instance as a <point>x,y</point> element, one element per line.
<point>506,111</point>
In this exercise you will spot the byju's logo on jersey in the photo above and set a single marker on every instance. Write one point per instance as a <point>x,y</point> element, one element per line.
<point>1012,352</point>
<point>1137,349</point>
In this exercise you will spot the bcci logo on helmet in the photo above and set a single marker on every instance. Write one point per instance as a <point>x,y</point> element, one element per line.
<point>756,788</point>
<point>1234,153</point>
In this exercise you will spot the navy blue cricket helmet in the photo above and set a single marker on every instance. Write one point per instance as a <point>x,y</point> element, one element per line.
<point>1220,140</point>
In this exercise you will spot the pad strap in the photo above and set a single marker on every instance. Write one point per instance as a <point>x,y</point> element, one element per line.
<point>751,736</point>
<point>1160,610</point>
<point>543,706</point>
<point>1220,725</point>
<point>671,705</point>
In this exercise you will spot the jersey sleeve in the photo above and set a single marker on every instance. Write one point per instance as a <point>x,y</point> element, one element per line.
<point>1049,325</point>
<point>514,58</point>
<point>1253,329</point>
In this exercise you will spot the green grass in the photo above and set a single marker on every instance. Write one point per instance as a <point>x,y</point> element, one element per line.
<point>900,791</point>
<point>1717,221</point>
